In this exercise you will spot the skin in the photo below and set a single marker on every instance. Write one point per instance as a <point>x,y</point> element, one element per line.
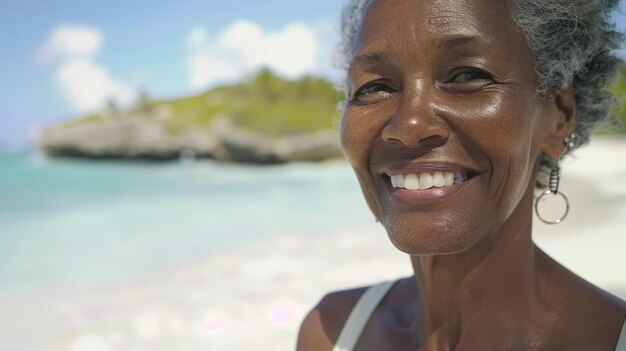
<point>436,83</point>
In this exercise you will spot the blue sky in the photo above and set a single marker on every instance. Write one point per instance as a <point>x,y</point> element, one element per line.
<point>156,46</point>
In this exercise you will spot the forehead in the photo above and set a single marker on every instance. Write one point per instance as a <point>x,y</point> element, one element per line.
<point>489,20</point>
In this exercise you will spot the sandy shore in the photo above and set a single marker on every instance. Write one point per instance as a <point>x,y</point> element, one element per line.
<point>254,298</point>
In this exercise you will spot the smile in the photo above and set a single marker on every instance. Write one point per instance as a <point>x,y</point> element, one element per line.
<point>429,186</point>
<point>425,181</point>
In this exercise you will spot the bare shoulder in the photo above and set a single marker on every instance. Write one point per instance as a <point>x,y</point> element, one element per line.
<point>594,317</point>
<point>321,327</point>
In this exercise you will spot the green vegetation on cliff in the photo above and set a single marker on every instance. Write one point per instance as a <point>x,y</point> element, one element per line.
<point>265,104</point>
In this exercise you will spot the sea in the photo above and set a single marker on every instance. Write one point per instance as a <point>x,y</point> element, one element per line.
<point>68,222</point>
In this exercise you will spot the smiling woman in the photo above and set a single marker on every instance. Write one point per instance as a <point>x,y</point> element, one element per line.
<point>454,109</point>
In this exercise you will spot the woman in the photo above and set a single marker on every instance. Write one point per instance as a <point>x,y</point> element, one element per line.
<point>454,107</point>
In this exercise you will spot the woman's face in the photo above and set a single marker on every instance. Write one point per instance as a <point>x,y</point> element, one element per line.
<point>443,125</point>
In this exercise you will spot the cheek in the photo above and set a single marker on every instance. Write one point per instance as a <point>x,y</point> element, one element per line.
<point>503,130</point>
<point>501,127</point>
<point>359,132</point>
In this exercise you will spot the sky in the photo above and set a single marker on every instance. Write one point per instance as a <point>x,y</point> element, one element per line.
<point>60,59</point>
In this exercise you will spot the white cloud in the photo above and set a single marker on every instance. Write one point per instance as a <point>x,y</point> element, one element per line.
<point>293,51</point>
<point>244,48</point>
<point>69,41</point>
<point>87,85</point>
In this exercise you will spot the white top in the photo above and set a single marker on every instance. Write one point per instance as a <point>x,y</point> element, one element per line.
<point>366,305</point>
<point>359,316</point>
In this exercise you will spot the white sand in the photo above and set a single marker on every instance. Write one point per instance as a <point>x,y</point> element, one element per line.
<point>254,298</point>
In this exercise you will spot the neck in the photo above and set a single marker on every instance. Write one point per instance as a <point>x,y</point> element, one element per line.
<point>498,276</point>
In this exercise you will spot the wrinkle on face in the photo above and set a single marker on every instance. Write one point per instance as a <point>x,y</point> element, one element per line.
<point>449,16</point>
<point>414,48</point>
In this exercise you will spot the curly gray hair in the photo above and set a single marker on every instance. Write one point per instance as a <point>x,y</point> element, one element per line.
<point>572,41</point>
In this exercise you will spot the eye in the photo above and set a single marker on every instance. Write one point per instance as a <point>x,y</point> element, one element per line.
<point>471,75</point>
<point>372,92</point>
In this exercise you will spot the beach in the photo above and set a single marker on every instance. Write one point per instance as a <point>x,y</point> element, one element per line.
<point>253,294</point>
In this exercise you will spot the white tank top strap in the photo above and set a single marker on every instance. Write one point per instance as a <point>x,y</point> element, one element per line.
<point>360,314</point>
<point>621,342</point>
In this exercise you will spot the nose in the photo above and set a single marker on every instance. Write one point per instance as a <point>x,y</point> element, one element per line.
<point>415,122</point>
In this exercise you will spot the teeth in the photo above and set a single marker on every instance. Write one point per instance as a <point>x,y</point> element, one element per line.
<point>438,180</point>
<point>411,182</point>
<point>449,178</point>
<point>424,181</point>
<point>400,181</point>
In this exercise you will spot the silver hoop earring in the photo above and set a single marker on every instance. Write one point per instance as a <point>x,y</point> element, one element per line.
<point>553,186</point>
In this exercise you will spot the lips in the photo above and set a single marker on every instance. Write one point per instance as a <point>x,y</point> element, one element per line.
<point>427,182</point>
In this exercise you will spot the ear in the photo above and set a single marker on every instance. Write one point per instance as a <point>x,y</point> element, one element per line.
<point>560,122</point>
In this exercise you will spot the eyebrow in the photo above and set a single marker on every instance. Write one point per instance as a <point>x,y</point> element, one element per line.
<point>368,59</point>
<point>456,41</point>
<point>374,58</point>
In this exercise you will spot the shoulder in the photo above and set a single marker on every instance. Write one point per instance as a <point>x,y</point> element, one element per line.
<point>591,316</point>
<point>321,326</point>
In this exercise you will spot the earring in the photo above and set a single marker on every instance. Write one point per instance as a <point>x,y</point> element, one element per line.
<point>570,142</point>
<point>553,185</point>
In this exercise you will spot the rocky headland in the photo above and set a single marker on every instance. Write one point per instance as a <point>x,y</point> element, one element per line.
<point>263,120</point>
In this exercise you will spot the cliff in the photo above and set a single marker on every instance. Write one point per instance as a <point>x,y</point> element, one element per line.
<point>263,120</point>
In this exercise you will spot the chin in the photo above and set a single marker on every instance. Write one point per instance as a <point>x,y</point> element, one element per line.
<point>446,237</point>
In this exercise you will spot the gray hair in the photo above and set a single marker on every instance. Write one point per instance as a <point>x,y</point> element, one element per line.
<point>572,41</point>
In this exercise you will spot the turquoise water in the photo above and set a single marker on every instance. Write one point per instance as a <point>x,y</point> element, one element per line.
<point>68,222</point>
